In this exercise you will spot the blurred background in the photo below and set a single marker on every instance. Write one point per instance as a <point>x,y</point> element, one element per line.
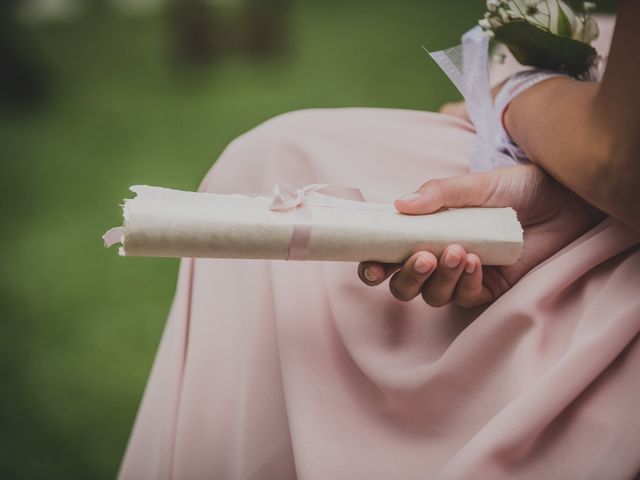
<point>97,95</point>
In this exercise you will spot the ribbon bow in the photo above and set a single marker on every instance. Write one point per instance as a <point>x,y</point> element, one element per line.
<point>287,197</point>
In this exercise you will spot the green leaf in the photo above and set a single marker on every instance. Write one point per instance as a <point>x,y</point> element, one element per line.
<point>564,26</point>
<point>539,48</point>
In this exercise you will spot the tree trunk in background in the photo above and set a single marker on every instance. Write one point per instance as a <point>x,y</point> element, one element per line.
<point>97,5</point>
<point>268,29</point>
<point>193,29</point>
<point>22,72</point>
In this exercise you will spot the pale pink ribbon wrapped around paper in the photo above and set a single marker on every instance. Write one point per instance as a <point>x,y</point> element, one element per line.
<point>287,197</point>
<point>315,222</point>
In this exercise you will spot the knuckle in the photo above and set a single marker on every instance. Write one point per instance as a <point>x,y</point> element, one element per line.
<point>428,185</point>
<point>434,183</point>
<point>466,288</point>
<point>449,278</point>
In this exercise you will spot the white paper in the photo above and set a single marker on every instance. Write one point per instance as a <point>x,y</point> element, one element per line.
<point>161,222</point>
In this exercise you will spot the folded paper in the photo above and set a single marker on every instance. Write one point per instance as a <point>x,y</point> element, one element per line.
<point>161,222</point>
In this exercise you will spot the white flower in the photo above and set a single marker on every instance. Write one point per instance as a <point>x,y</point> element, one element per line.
<point>490,22</point>
<point>537,12</point>
<point>504,15</point>
<point>492,5</point>
<point>565,21</point>
<point>590,32</point>
<point>485,24</point>
<point>554,16</point>
<point>522,8</point>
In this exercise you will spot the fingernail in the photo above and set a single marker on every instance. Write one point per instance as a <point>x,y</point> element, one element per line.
<point>412,197</point>
<point>452,260</point>
<point>470,267</point>
<point>370,275</point>
<point>421,265</point>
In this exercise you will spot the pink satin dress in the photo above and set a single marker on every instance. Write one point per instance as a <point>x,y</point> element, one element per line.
<point>274,370</point>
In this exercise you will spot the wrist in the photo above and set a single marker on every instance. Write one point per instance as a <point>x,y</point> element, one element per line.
<point>512,108</point>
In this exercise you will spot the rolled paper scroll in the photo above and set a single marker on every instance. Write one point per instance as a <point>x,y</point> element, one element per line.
<point>161,222</point>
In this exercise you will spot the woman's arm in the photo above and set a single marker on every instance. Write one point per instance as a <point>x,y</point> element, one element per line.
<point>587,135</point>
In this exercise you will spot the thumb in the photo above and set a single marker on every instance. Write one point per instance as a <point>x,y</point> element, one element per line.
<point>495,188</point>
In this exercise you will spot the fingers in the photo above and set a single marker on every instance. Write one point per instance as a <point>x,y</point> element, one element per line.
<point>440,288</point>
<point>470,291</point>
<point>457,277</point>
<point>374,273</point>
<point>407,282</point>
<point>474,189</point>
<point>518,187</point>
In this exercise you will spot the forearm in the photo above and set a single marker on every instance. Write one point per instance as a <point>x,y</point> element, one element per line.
<point>586,134</point>
<point>559,125</point>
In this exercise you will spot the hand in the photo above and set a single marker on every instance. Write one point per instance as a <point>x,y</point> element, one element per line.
<point>551,215</point>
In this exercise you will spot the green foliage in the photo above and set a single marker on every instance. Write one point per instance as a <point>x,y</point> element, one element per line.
<point>564,26</point>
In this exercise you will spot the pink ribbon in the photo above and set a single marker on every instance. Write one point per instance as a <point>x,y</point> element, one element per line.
<point>287,197</point>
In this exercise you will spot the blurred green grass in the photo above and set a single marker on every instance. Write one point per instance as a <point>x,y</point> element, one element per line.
<point>80,325</point>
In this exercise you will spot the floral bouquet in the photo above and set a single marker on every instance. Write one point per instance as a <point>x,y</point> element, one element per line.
<point>547,34</point>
